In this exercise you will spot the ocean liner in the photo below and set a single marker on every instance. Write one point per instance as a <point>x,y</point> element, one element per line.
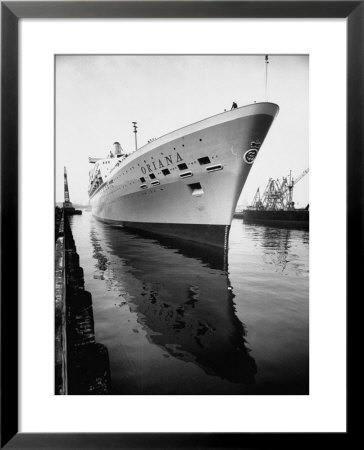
<point>186,183</point>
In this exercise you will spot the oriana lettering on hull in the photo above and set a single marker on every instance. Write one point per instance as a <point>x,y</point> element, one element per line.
<point>161,163</point>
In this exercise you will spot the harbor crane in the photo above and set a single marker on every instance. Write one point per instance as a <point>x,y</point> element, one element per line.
<point>67,202</point>
<point>278,195</point>
<point>290,186</point>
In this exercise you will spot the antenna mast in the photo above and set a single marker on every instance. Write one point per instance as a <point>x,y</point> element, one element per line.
<point>135,132</point>
<point>266,77</point>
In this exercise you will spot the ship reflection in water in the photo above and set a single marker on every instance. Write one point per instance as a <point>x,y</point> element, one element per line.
<point>175,323</point>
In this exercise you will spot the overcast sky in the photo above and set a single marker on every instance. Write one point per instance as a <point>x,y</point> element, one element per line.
<point>97,98</point>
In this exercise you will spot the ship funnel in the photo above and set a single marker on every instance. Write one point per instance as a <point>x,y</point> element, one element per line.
<point>117,149</point>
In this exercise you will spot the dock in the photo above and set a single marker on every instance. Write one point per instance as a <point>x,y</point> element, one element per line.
<point>81,364</point>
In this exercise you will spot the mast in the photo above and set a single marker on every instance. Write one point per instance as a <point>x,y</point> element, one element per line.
<point>290,190</point>
<point>266,77</point>
<point>135,133</point>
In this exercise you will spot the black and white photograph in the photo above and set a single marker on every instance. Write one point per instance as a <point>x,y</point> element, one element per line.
<point>181,224</point>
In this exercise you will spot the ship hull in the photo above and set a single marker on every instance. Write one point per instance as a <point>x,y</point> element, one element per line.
<point>186,184</point>
<point>206,234</point>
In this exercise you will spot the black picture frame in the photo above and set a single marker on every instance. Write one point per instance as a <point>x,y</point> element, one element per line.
<point>11,12</point>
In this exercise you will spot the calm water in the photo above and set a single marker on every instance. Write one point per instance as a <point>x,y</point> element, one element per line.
<point>177,323</point>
